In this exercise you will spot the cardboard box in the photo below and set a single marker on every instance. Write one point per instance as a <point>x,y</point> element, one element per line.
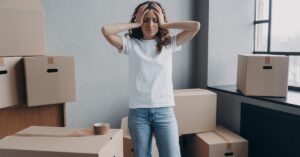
<point>220,143</point>
<point>62,142</point>
<point>263,75</point>
<point>12,82</point>
<point>49,80</point>
<point>195,110</point>
<point>22,26</point>
<point>127,143</point>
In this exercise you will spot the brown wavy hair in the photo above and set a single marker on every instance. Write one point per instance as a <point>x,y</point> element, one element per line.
<point>163,36</point>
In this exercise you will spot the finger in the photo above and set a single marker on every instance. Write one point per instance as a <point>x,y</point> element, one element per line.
<point>143,7</point>
<point>156,13</point>
<point>156,7</point>
<point>145,11</point>
<point>159,15</point>
<point>141,10</point>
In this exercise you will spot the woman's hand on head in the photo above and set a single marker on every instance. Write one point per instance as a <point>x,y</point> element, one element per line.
<point>139,16</point>
<point>158,12</point>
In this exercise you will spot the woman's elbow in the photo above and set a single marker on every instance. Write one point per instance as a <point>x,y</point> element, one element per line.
<point>197,26</point>
<point>104,30</point>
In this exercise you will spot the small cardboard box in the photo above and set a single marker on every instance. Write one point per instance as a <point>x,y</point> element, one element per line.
<point>263,75</point>
<point>195,110</point>
<point>12,82</point>
<point>50,80</point>
<point>127,146</point>
<point>62,142</point>
<point>22,26</point>
<point>220,143</point>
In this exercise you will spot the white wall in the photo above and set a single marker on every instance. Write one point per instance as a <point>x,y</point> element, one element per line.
<point>230,33</point>
<point>101,73</point>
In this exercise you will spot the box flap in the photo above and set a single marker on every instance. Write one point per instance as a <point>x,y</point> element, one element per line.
<point>231,136</point>
<point>124,126</point>
<point>57,132</point>
<point>194,92</point>
<point>211,138</point>
<point>261,55</point>
<point>187,90</point>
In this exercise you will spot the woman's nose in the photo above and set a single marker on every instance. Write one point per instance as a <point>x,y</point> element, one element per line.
<point>150,23</point>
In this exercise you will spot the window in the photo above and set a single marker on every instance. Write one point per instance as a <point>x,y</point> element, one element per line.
<point>277,32</point>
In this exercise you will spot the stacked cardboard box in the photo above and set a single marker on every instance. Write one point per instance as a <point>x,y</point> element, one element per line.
<point>59,141</point>
<point>263,75</point>
<point>11,81</point>
<point>42,79</point>
<point>22,26</point>
<point>195,112</point>
<point>49,80</point>
<point>218,143</point>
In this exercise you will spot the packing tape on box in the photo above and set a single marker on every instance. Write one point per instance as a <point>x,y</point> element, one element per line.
<point>267,60</point>
<point>101,128</point>
<point>228,145</point>
<point>76,133</point>
<point>50,60</point>
<point>2,63</point>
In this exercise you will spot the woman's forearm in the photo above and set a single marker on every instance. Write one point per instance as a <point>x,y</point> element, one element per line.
<point>117,28</point>
<point>183,25</point>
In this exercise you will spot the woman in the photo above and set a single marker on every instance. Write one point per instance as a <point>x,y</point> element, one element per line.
<point>149,47</point>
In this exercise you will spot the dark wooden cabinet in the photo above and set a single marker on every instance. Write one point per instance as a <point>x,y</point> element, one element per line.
<point>270,133</point>
<point>14,119</point>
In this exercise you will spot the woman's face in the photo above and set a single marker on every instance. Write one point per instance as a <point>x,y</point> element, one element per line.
<point>150,25</point>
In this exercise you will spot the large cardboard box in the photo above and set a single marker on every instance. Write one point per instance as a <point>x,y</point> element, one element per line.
<point>12,81</point>
<point>22,28</point>
<point>50,80</point>
<point>62,142</point>
<point>263,75</point>
<point>195,110</point>
<point>127,145</point>
<point>220,143</point>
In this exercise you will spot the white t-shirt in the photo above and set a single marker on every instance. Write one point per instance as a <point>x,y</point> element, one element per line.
<point>150,74</point>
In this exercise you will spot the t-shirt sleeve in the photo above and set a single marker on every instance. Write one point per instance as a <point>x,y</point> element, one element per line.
<point>174,45</point>
<point>126,46</point>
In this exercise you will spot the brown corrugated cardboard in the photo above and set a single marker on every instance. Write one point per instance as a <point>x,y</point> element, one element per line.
<point>263,75</point>
<point>49,80</point>
<point>127,143</point>
<point>195,110</point>
<point>56,141</point>
<point>220,143</point>
<point>12,82</point>
<point>22,26</point>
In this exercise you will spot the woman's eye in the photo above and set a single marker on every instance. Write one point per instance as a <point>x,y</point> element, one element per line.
<point>155,20</point>
<point>146,20</point>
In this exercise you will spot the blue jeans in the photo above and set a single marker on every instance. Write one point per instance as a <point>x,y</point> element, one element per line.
<point>142,122</point>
